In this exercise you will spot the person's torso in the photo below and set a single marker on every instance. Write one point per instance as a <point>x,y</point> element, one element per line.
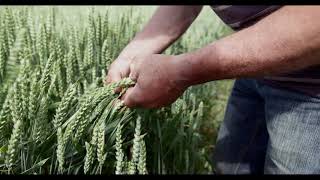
<point>240,17</point>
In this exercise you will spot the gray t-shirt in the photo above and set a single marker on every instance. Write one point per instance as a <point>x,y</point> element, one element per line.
<point>239,17</point>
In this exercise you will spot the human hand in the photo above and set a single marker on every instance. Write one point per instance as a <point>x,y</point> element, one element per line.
<point>157,81</point>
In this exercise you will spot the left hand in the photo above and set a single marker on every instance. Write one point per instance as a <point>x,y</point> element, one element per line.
<point>157,82</point>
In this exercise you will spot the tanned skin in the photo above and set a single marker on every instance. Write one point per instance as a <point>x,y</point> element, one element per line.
<point>284,41</point>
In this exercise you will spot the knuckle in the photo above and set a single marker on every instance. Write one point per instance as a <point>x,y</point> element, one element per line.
<point>110,72</point>
<point>111,67</point>
<point>132,65</point>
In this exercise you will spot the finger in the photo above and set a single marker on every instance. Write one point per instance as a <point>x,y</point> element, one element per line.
<point>133,72</point>
<point>107,80</point>
<point>131,98</point>
<point>112,78</point>
<point>120,76</point>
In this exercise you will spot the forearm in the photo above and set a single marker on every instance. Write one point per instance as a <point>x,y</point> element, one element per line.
<point>166,25</point>
<point>287,40</point>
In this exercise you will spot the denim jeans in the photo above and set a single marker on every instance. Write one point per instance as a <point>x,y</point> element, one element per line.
<point>268,130</point>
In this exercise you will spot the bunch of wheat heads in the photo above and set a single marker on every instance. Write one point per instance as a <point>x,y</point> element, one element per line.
<point>98,113</point>
<point>85,132</point>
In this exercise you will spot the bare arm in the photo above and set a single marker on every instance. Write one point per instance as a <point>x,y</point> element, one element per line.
<point>166,25</point>
<point>286,40</point>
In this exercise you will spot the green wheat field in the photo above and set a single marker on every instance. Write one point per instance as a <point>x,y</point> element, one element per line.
<point>57,116</point>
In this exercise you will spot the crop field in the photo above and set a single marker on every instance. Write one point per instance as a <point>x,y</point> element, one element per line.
<point>58,117</point>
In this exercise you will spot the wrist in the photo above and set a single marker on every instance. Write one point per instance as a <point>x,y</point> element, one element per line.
<point>179,73</point>
<point>199,66</point>
<point>187,69</point>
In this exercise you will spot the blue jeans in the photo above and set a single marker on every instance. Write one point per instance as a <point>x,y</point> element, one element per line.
<point>268,130</point>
